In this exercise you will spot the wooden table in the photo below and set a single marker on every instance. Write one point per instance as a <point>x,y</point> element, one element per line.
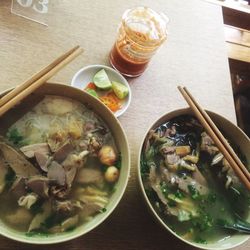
<point>194,55</point>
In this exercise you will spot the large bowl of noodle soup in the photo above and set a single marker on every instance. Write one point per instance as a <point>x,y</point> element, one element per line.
<point>64,165</point>
<point>187,184</point>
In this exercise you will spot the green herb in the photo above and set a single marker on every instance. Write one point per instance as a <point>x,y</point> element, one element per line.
<point>212,197</point>
<point>118,163</point>
<point>70,229</point>
<point>200,240</point>
<point>194,192</point>
<point>171,203</point>
<point>183,215</point>
<point>104,168</point>
<point>14,136</point>
<point>179,194</point>
<point>104,210</point>
<point>144,167</point>
<point>31,234</point>
<point>50,221</point>
<point>149,155</point>
<point>204,222</point>
<point>164,188</point>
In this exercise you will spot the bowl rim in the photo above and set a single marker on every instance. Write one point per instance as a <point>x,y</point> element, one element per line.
<point>146,200</point>
<point>108,68</point>
<point>41,240</point>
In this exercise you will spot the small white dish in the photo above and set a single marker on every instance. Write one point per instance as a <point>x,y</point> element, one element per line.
<point>85,75</point>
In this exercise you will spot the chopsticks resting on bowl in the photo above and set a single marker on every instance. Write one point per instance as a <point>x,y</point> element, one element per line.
<point>217,137</point>
<point>20,92</point>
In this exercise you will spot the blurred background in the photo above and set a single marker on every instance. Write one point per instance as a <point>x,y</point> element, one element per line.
<point>236,15</point>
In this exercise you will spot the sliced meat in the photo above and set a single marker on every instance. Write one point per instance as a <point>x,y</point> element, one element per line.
<point>170,131</point>
<point>54,144</point>
<point>30,150</point>
<point>174,211</point>
<point>18,188</point>
<point>39,185</point>
<point>157,189</point>
<point>186,182</point>
<point>198,177</point>
<point>155,184</point>
<point>152,173</point>
<point>207,144</point>
<point>21,166</point>
<point>70,175</point>
<point>206,139</point>
<point>172,159</point>
<point>57,173</point>
<point>60,193</point>
<point>95,144</point>
<point>89,175</point>
<point>66,207</point>
<point>75,160</point>
<point>168,176</point>
<point>43,160</point>
<point>83,145</point>
<point>62,153</point>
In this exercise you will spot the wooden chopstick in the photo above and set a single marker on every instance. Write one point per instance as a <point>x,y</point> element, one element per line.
<point>35,77</point>
<point>217,137</point>
<point>220,136</point>
<point>38,79</point>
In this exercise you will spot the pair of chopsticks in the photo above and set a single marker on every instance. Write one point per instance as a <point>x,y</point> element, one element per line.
<point>217,137</point>
<point>20,92</point>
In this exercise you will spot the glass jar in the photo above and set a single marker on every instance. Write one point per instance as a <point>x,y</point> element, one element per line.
<point>141,33</point>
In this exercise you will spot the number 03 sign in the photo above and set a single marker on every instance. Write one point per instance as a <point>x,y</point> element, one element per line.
<point>35,10</point>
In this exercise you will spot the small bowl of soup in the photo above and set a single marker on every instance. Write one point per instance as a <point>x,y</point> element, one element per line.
<point>64,165</point>
<point>188,185</point>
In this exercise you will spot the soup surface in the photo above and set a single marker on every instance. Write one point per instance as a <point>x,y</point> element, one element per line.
<point>58,167</point>
<point>189,183</point>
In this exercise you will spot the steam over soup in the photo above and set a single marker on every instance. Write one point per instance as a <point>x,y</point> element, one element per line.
<point>58,167</point>
<point>189,183</point>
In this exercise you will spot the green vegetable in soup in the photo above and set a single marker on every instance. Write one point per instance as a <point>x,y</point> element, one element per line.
<point>14,136</point>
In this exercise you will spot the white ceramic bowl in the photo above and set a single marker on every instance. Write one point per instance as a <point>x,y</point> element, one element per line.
<point>239,138</point>
<point>85,75</point>
<point>120,138</point>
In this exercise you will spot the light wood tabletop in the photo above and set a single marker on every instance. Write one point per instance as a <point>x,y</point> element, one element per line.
<point>194,55</point>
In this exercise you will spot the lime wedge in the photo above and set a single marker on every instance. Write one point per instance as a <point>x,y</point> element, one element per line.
<point>92,92</point>
<point>120,90</point>
<point>101,80</point>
